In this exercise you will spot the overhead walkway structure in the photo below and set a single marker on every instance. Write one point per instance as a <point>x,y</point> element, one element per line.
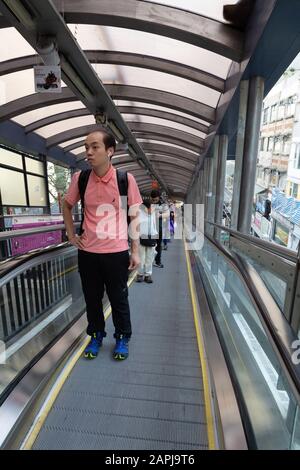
<point>214,361</point>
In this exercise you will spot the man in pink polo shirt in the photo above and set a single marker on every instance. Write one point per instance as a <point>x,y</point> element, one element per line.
<point>103,257</point>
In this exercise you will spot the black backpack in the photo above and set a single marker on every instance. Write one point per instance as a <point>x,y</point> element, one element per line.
<point>82,184</point>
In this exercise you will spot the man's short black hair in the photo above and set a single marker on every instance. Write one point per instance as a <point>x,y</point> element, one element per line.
<point>108,138</point>
<point>155,193</point>
<point>146,202</point>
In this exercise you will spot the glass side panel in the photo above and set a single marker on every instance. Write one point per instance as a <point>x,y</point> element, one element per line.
<point>62,126</point>
<point>78,150</point>
<point>160,142</point>
<point>32,116</point>
<point>37,191</point>
<point>18,46</point>
<point>10,158</point>
<point>157,80</point>
<point>70,142</point>
<point>93,37</point>
<point>34,166</point>
<point>163,122</point>
<point>213,9</point>
<point>16,85</point>
<point>12,188</point>
<point>265,392</point>
<point>277,273</point>
<point>159,108</point>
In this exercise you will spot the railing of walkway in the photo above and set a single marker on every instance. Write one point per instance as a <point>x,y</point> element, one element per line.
<point>278,267</point>
<point>40,296</point>
<point>257,342</point>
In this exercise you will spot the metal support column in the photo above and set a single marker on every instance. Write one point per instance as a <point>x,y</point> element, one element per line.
<point>239,152</point>
<point>209,205</point>
<point>204,188</point>
<point>212,208</point>
<point>255,102</point>
<point>220,187</point>
<point>201,183</point>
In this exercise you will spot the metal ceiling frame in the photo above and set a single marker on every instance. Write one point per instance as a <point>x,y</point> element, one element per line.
<point>168,134</point>
<point>159,19</point>
<point>116,91</point>
<point>134,110</point>
<point>161,165</point>
<point>127,59</point>
<point>162,98</point>
<point>171,161</point>
<point>160,149</point>
<point>169,150</point>
<point>158,129</point>
<point>157,136</point>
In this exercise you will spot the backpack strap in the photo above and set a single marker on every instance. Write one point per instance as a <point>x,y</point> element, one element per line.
<point>82,184</point>
<point>83,179</point>
<point>122,179</point>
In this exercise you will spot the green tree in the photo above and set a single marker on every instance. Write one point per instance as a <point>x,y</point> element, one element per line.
<point>58,179</point>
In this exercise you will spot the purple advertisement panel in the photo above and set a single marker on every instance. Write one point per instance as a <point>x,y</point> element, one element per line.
<point>24,244</point>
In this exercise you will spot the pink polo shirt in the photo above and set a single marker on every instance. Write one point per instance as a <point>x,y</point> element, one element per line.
<point>105,222</point>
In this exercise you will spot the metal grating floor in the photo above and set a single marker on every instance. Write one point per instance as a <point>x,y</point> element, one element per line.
<point>154,399</point>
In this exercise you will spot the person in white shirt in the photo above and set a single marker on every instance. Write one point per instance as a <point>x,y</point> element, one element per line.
<point>148,239</point>
<point>162,215</point>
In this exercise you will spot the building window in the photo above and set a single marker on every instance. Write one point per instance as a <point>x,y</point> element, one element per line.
<point>23,180</point>
<point>290,106</point>
<point>266,116</point>
<point>270,144</point>
<point>286,148</point>
<point>281,108</point>
<point>297,156</point>
<point>277,144</point>
<point>295,190</point>
<point>12,186</point>
<point>281,234</point>
<point>273,112</point>
<point>262,142</point>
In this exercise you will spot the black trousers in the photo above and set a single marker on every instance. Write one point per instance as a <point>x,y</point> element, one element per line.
<point>158,251</point>
<point>109,270</point>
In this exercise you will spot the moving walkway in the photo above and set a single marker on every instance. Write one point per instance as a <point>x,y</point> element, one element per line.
<point>213,359</point>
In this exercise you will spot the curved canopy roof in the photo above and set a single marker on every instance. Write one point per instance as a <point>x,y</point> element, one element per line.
<point>160,76</point>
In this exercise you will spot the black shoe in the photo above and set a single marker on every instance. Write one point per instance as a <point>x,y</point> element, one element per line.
<point>139,278</point>
<point>148,279</point>
<point>158,265</point>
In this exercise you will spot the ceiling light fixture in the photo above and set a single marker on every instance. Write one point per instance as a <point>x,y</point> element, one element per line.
<point>116,131</point>
<point>132,151</point>
<point>72,75</point>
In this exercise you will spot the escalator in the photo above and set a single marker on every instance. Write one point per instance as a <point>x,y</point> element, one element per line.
<point>209,367</point>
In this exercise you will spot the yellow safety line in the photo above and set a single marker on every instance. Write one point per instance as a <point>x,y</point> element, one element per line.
<point>29,441</point>
<point>207,400</point>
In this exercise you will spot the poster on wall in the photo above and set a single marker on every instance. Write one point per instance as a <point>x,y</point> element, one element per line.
<point>47,79</point>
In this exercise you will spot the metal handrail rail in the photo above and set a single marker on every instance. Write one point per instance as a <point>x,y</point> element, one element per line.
<point>276,326</point>
<point>11,216</point>
<point>273,247</point>
<point>29,259</point>
<point>32,231</point>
